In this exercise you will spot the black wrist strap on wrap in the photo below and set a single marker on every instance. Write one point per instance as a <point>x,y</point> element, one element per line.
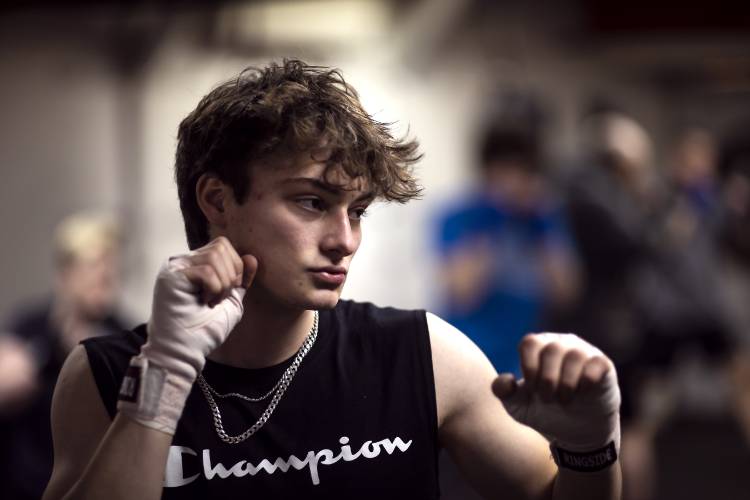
<point>589,461</point>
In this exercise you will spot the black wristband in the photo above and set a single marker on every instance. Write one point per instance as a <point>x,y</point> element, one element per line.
<point>589,461</point>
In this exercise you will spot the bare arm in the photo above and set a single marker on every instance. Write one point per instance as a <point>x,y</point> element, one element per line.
<point>500,457</point>
<point>94,457</point>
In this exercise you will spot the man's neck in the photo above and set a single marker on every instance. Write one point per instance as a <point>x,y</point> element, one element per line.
<point>267,334</point>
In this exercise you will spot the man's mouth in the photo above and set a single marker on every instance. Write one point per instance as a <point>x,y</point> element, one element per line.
<point>330,275</point>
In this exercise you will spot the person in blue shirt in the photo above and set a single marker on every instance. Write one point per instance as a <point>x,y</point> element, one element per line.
<point>506,257</point>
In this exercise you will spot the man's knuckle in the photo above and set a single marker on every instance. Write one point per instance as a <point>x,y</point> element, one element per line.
<point>225,246</point>
<point>214,259</point>
<point>206,272</point>
<point>550,350</point>
<point>589,378</point>
<point>528,343</point>
<point>598,362</point>
<point>575,355</point>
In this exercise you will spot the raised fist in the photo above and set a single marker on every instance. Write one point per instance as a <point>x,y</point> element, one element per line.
<point>568,393</point>
<point>197,303</point>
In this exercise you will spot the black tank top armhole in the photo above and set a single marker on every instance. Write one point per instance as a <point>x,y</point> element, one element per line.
<point>427,371</point>
<point>425,346</point>
<point>109,357</point>
<point>104,377</point>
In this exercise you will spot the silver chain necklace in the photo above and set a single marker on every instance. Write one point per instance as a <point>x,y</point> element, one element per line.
<point>278,391</point>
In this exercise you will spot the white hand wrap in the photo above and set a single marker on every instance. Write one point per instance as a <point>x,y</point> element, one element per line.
<point>181,333</point>
<point>590,421</point>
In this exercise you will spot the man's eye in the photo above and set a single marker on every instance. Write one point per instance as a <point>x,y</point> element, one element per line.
<point>358,213</point>
<point>313,204</point>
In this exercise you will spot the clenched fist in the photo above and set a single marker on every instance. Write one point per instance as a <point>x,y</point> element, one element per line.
<point>197,302</point>
<point>568,393</point>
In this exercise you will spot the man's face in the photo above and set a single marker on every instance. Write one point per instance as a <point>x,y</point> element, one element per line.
<point>303,230</point>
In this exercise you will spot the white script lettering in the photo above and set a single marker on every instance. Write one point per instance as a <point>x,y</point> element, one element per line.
<point>175,475</point>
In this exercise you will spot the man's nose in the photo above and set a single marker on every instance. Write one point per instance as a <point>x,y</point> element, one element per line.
<point>341,239</point>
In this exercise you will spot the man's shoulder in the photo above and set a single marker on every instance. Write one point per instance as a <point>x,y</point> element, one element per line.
<point>369,315</point>
<point>384,332</point>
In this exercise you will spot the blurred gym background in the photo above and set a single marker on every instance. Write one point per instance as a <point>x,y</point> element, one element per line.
<point>91,94</point>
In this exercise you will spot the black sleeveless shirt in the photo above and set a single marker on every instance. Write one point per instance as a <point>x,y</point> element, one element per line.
<point>359,420</point>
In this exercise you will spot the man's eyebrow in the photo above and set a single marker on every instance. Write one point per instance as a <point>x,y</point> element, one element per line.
<point>326,186</point>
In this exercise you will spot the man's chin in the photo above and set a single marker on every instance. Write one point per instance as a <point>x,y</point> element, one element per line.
<point>325,299</point>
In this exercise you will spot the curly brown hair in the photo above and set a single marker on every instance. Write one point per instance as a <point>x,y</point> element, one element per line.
<point>284,109</point>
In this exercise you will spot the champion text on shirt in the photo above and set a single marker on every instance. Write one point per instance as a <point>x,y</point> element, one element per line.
<point>175,477</point>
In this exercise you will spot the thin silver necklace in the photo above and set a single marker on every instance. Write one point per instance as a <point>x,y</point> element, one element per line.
<point>278,391</point>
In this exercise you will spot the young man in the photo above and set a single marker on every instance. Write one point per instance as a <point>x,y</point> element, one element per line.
<point>299,393</point>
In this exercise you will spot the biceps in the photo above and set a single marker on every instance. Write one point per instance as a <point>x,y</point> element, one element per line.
<point>499,457</point>
<point>79,421</point>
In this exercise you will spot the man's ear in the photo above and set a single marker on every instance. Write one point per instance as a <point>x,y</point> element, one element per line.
<point>213,195</point>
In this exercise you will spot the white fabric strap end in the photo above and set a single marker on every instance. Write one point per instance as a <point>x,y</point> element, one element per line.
<point>150,396</point>
<point>138,380</point>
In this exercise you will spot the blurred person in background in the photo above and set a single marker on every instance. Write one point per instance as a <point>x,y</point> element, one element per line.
<point>611,199</point>
<point>734,172</point>
<point>690,358</point>
<point>40,335</point>
<point>506,263</point>
<point>648,248</point>
<point>610,202</point>
<point>685,250</point>
<point>691,171</point>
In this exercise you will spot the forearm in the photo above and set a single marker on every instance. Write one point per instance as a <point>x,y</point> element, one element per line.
<point>129,463</point>
<point>601,485</point>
